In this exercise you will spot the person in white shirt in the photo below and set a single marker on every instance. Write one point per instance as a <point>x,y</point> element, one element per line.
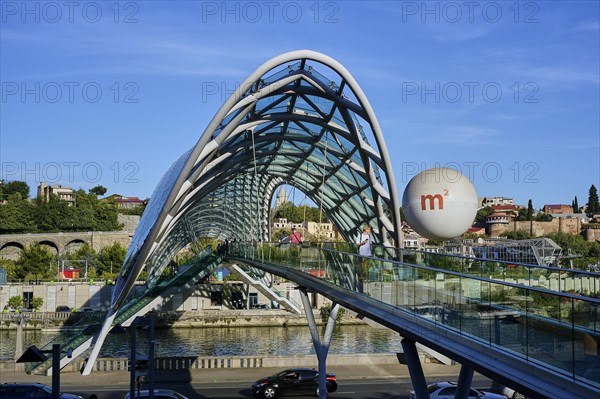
<point>364,249</point>
<point>364,241</point>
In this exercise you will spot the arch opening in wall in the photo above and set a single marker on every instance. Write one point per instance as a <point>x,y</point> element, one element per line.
<point>51,245</point>
<point>11,250</point>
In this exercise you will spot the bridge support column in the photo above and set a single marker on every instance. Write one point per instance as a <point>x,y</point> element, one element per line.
<point>321,347</point>
<point>415,369</point>
<point>463,386</point>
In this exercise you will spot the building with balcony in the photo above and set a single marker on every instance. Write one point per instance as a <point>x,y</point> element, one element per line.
<point>64,193</point>
<point>494,201</point>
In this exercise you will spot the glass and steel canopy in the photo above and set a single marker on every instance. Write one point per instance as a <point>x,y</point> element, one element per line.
<point>299,119</point>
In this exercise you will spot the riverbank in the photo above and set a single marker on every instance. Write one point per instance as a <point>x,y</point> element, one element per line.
<point>57,321</point>
<point>358,366</point>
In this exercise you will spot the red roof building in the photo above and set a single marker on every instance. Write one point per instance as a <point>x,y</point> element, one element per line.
<point>558,209</point>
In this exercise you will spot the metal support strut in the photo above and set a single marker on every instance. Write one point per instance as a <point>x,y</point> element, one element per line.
<point>415,369</point>
<point>465,379</point>
<point>321,347</point>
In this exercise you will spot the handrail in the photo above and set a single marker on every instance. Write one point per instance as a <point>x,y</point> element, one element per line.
<point>475,277</point>
<point>553,334</point>
<point>553,268</point>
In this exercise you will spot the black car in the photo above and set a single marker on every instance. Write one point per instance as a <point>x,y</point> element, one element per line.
<point>299,381</point>
<point>30,391</point>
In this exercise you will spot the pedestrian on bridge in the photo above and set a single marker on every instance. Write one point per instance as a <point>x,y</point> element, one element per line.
<point>364,241</point>
<point>364,250</point>
<point>295,237</point>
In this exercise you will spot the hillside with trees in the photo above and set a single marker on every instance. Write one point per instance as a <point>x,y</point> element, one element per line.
<point>19,215</point>
<point>37,262</point>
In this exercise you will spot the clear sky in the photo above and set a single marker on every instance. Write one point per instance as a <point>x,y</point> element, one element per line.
<point>112,93</point>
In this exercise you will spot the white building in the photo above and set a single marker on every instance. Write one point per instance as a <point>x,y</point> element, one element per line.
<point>492,201</point>
<point>62,192</point>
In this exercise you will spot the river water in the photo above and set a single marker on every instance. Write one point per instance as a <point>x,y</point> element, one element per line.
<point>249,341</point>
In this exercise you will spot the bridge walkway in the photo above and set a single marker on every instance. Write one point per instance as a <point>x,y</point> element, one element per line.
<point>538,341</point>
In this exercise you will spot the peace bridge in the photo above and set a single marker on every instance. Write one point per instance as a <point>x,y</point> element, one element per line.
<point>301,119</point>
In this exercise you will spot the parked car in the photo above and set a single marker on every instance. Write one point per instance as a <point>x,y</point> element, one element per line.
<point>30,390</point>
<point>260,306</point>
<point>297,381</point>
<point>506,391</point>
<point>158,394</point>
<point>446,390</point>
<point>63,308</point>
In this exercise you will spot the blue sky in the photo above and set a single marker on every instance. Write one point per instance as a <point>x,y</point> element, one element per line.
<point>507,92</point>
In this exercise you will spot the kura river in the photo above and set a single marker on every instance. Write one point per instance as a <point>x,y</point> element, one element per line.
<point>228,341</point>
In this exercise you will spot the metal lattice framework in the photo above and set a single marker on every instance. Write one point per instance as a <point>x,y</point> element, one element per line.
<point>300,119</point>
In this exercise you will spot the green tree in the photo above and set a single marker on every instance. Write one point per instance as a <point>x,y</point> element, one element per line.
<point>13,187</point>
<point>37,302</point>
<point>106,217</point>
<point>91,214</point>
<point>575,205</point>
<point>15,302</point>
<point>326,309</point>
<point>589,251</point>
<point>111,258</point>
<point>86,256</point>
<point>593,205</point>
<point>52,215</point>
<point>482,214</point>
<point>295,214</point>
<point>98,190</point>
<point>517,235</point>
<point>529,210</point>
<point>543,217</point>
<point>16,215</point>
<point>35,260</point>
<point>522,214</point>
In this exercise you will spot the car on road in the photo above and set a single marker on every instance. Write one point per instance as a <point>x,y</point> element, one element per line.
<point>446,390</point>
<point>158,394</point>
<point>260,306</point>
<point>30,390</point>
<point>297,381</point>
<point>63,308</point>
<point>506,391</point>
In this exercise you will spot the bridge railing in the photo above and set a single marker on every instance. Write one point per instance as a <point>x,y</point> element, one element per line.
<point>557,331</point>
<point>553,278</point>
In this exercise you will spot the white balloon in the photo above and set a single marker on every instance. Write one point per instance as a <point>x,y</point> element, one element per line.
<point>440,203</point>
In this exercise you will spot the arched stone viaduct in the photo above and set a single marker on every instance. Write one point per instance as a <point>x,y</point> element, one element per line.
<point>60,243</point>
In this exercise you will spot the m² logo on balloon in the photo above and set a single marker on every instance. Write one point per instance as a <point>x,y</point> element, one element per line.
<point>432,201</point>
<point>439,208</point>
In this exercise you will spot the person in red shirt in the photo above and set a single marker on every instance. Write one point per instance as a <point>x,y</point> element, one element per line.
<point>295,237</point>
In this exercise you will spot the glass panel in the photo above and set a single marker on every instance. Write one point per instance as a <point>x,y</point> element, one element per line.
<point>557,331</point>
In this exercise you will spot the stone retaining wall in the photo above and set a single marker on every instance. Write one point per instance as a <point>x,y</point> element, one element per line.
<point>233,362</point>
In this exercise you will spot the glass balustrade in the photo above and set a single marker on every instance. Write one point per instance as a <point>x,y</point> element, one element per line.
<point>502,308</point>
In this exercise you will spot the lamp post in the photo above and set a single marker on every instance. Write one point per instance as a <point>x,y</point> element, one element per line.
<point>34,354</point>
<point>149,322</point>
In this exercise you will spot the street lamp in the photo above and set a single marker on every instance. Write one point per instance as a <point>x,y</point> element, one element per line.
<point>34,354</point>
<point>134,375</point>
